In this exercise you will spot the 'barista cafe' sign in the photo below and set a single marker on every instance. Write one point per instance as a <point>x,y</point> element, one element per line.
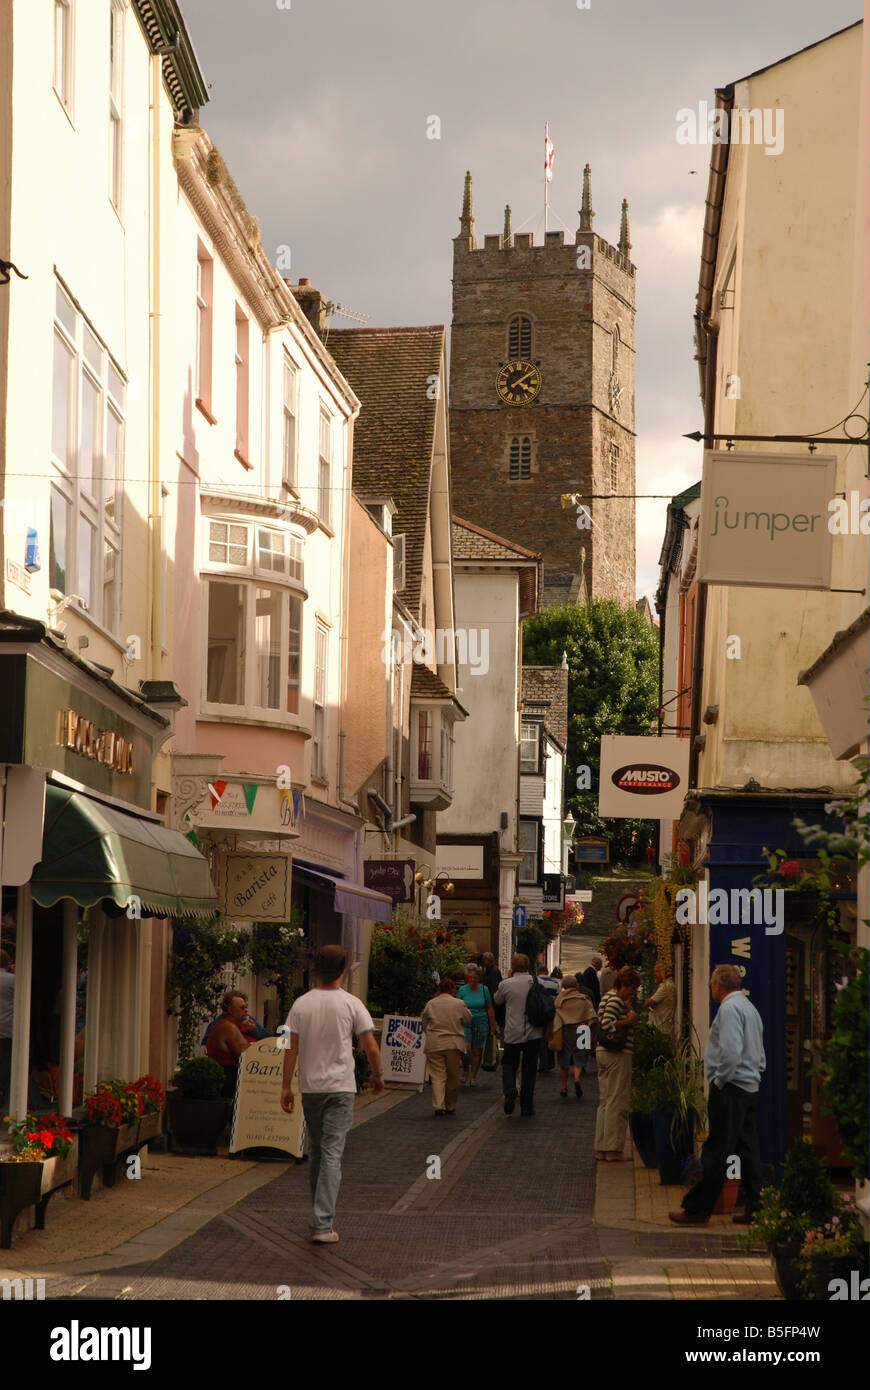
<point>256,887</point>
<point>643,778</point>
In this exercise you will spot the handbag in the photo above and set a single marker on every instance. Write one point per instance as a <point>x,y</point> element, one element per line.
<point>555,1041</point>
<point>489,1062</point>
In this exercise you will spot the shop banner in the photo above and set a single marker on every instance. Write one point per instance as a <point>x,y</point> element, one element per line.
<point>643,778</point>
<point>258,1120</point>
<point>402,1052</point>
<point>395,877</point>
<point>256,887</point>
<point>764,519</point>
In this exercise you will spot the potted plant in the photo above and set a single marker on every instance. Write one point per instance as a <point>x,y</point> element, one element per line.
<point>805,1199</point>
<point>153,1103</point>
<point>651,1046</point>
<point>113,1111</point>
<point>833,1251</point>
<point>677,1096</point>
<point>41,1161</point>
<point>197,1108</point>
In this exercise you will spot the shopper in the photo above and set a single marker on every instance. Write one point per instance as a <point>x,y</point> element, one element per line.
<point>662,1004</point>
<point>444,1027</point>
<point>574,1012</point>
<point>522,1041</point>
<point>589,978</point>
<point>478,1000</point>
<point>616,1023</point>
<point>735,1063</point>
<point>546,1058</point>
<point>321,1027</point>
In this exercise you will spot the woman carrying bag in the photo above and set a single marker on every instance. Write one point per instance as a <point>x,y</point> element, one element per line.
<point>476,997</point>
<point>573,1012</point>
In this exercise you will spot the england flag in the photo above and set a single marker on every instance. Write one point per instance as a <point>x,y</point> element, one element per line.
<point>548,158</point>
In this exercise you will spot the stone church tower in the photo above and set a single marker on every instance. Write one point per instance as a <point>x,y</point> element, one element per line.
<point>542,398</point>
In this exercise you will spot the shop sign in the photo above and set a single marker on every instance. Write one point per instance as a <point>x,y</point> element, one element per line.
<point>246,807</point>
<point>104,745</point>
<point>402,1052</point>
<point>258,1120</point>
<point>395,877</point>
<point>460,861</point>
<point>552,891</point>
<point>764,519</point>
<point>256,887</point>
<point>643,778</point>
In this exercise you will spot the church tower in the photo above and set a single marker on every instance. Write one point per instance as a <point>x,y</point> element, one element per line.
<point>542,398</point>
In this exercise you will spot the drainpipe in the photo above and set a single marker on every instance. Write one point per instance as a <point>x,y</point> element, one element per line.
<point>155,568</point>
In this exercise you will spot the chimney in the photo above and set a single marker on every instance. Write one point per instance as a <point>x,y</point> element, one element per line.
<point>312,304</point>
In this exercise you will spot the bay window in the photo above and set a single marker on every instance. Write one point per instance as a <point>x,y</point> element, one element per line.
<point>424,745</point>
<point>87,449</point>
<point>252,592</point>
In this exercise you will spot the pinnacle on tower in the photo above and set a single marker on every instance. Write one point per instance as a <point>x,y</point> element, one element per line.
<point>466,221</point>
<point>586,213</point>
<point>624,243</point>
<point>508,226</point>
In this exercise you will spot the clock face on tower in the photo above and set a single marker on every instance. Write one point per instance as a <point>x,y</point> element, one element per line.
<point>518,382</point>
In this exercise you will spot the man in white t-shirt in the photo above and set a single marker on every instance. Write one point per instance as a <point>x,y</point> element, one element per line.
<point>321,1026</point>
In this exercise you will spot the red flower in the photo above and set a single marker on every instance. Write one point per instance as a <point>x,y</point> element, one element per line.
<point>420,947</point>
<point>790,868</point>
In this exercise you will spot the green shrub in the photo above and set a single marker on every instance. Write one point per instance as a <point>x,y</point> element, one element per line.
<point>806,1188</point>
<point>651,1045</point>
<point>200,1079</point>
<point>844,1066</point>
<point>405,956</point>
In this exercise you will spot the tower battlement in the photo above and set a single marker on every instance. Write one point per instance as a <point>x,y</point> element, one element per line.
<point>522,255</point>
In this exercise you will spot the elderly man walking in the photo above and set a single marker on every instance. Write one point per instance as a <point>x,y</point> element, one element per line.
<point>735,1062</point>
<point>522,1041</point>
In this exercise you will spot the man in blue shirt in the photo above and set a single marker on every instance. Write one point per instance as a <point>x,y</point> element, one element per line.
<point>734,1061</point>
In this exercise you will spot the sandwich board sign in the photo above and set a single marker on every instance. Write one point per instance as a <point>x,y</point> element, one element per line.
<point>402,1052</point>
<point>258,1120</point>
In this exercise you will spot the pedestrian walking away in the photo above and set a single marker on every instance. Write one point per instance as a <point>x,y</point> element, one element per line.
<point>616,1023</point>
<point>477,998</point>
<point>574,1012</point>
<point>589,978</point>
<point>321,1027</point>
<point>735,1062</point>
<point>444,1028</point>
<point>522,1041</point>
<point>546,1058</point>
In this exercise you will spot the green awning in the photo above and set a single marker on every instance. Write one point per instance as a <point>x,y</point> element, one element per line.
<point>92,851</point>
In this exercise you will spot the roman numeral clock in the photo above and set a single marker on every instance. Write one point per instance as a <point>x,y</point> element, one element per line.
<point>518,382</point>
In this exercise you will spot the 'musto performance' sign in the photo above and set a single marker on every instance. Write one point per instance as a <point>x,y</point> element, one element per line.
<point>643,778</point>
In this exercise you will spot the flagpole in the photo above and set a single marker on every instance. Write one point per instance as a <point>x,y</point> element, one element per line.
<point>546,178</point>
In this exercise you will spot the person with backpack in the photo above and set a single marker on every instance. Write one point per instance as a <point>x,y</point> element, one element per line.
<point>529,1009</point>
<point>616,1023</point>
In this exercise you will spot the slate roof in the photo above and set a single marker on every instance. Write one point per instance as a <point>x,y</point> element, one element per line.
<point>389,370</point>
<point>425,685</point>
<point>473,544</point>
<point>549,683</point>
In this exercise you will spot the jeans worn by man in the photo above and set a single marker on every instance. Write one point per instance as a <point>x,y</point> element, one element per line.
<point>321,1025</point>
<point>735,1062</point>
<point>522,1042</point>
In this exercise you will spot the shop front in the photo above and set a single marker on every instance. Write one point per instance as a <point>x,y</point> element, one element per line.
<point>89,872</point>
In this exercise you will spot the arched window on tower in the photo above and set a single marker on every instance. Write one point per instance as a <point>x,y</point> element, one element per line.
<point>616,340</point>
<point>520,457</point>
<point>520,337</point>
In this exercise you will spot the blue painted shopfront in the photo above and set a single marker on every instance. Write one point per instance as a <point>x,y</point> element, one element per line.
<point>742,826</point>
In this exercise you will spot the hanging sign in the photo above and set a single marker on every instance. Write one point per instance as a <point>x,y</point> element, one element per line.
<point>764,519</point>
<point>402,1052</point>
<point>258,1120</point>
<point>395,877</point>
<point>256,887</point>
<point>643,778</point>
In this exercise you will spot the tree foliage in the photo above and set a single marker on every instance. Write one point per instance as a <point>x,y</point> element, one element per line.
<point>612,689</point>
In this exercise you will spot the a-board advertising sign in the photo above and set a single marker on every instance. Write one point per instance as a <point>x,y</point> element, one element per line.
<point>402,1052</point>
<point>258,1120</point>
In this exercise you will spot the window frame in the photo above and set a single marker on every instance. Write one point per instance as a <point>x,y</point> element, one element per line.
<point>537,823</point>
<point>253,576</point>
<point>66,91</point>
<point>290,467</point>
<point>613,458</point>
<point>117,27</point>
<point>204,328</point>
<point>88,507</point>
<point>398,562</point>
<point>530,724</point>
<point>324,461</point>
<point>520,471</point>
<point>319,760</point>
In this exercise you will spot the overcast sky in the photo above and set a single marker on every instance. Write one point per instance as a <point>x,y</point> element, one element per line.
<point>320,111</point>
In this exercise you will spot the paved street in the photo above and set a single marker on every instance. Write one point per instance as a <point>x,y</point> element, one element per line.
<point>512,1216</point>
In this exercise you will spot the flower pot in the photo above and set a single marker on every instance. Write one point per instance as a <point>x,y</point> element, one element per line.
<point>20,1185</point>
<point>785,1253</point>
<point>641,1127</point>
<point>831,1267</point>
<point>58,1172</point>
<point>150,1126</point>
<point>671,1153</point>
<point>727,1199</point>
<point>195,1124</point>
